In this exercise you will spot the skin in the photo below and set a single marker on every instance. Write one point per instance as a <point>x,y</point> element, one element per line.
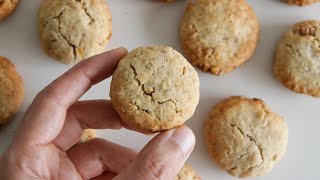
<point>45,145</point>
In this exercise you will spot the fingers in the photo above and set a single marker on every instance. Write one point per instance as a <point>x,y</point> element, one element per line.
<point>68,88</point>
<point>67,169</point>
<point>96,156</point>
<point>47,113</point>
<point>105,176</point>
<point>98,114</point>
<point>163,156</point>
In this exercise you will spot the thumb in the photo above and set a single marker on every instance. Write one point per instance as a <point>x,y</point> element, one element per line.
<point>163,156</point>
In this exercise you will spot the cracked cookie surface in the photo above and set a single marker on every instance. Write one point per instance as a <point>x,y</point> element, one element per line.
<point>297,59</point>
<point>7,7</point>
<point>187,173</point>
<point>219,35</point>
<point>154,89</point>
<point>11,90</point>
<point>244,137</point>
<point>302,2</point>
<point>73,30</point>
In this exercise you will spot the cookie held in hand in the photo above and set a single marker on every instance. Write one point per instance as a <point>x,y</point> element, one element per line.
<point>154,89</point>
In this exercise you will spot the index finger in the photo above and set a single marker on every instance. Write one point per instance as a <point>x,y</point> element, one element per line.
<point>68,88</point>
<point>45,117</point>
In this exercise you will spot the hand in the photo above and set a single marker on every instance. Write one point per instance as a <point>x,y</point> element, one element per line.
<point>45,145</point>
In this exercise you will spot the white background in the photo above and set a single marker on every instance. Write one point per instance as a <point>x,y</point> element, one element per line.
<point>148,22</point>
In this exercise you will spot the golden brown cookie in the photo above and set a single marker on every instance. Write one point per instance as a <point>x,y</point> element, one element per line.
<point>154,89</point>
<point>7,7</point>
<point>244,137</point>
<point>11,90</point>
<point>219,35</point>
<point>302,2</point>
<point>187,173</point>
<point>73,30</point>
<point>297,60</point>
<point>87,135</point>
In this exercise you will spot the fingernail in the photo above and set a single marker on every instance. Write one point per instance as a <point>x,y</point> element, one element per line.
<point>184,137</point>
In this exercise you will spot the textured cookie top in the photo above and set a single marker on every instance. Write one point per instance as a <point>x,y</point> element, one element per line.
<point>7,7</point>
<point>154,89</point>
<point>11,90</point>
<point>219,35</point>
<point>297,61</point>
<point>302,2</point>
<point>187,173</point>
<point>73,30</point>
<point>244,137</point>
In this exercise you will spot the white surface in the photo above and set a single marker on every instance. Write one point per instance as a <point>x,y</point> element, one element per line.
<point>146,22</point>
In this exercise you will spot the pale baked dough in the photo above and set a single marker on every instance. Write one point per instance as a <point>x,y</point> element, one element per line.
<point>73,30</point>
<point>244,137</point>
<point>154,89</point>
<point>11,90</point>
<point>7,7</point>
<point>187,173</point>
<point>88,134</point>
<point>219,35</point>
<point>297,60</point>
<point>302,2</point>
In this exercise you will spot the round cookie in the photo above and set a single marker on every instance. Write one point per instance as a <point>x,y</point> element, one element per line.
<point>154,89</point>
<point>244,137</point>
<point>187,173</point>
<point>73,30</point>
<point>297,59</point>
<point>11,90</point>
<point>7,7</point>
<point>302,2</point>
<point>88,134</point>
<point>219,35</point>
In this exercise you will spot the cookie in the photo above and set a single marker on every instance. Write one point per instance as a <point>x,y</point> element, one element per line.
<point>11,90</point>
<point>302,2</point>
<point>297,59</point>
<point>219,35</point>
<point>154,89</point>
<point>87,135</point>
<point>7,7</point>
<point>187,173</point>
<point>71,30</point>
<point>244,137</point>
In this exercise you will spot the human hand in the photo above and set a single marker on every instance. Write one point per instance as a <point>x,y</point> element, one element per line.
<point>45,145</point>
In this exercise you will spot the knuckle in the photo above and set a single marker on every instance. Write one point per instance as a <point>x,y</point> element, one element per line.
<point>49,94</point>
<point>46,93</point>
<point>155,167</point>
